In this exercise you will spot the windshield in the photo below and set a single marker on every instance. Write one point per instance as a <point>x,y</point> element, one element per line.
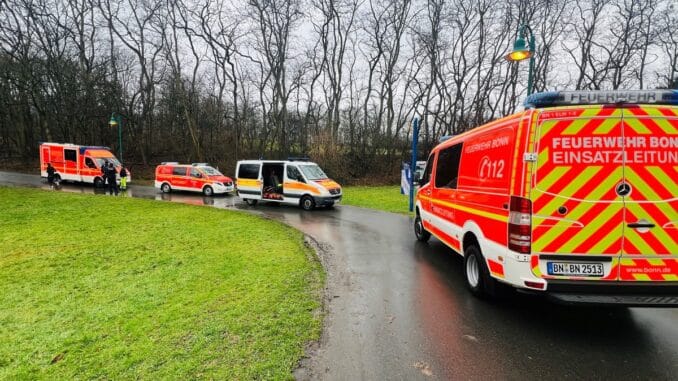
<point>209,171</point>
<point>313,172</point>
<point>101,161</point>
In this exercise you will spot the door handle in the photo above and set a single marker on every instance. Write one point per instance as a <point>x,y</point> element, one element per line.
<point>638,225</point>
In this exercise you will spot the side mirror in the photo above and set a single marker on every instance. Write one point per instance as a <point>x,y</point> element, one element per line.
<point>421,181</point>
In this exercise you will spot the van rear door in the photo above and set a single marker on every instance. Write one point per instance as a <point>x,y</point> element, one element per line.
<point>650,245</point>
<point>578,215</point>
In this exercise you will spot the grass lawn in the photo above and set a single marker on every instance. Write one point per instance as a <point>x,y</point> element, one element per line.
<point>386,198</point>
<point>108,287</point>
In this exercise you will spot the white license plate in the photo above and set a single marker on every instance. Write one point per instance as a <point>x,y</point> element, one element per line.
<point>575,269</point>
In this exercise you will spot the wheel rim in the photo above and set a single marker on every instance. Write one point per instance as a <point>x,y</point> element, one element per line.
<point>165,188</point>
<point>208,191</point>
<point>472,271</point>
<point>308,203</point>
<point>417,227</point>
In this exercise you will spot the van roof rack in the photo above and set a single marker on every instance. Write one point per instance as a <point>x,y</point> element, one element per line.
<point>298,158</point>
<point>593,97</point>
<point>200,164</point>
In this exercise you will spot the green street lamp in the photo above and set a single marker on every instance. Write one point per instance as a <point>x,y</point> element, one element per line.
<point>521,52</point>
<point>116,120</point>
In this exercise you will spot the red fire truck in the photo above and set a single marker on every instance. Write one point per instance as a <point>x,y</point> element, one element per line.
<point>78,163</point>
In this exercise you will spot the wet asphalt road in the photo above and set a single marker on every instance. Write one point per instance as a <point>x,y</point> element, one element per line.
<point>398,310</point>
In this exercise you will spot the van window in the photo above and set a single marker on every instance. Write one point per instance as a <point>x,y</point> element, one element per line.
<point>70,155</point>
<point>248,171</point>
<point>179,171</point>
<point>313,172</point>
<point>293,173</point>
<point>426,175</point>
<point>447,168</point>
<point>90,163</point>
<point>195,173</point>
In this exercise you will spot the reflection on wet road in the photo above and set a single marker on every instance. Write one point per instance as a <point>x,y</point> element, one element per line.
<point>398,309</point>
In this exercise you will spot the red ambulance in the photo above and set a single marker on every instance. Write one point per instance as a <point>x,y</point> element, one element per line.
<point>576,197</point>
<point>196,177</point>
<point>78,163</point>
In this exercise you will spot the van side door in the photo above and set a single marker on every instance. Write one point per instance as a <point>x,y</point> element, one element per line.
<point>197,179</point>
<point>444,196</point>
<point>294,183</point>
<point>179,178</point>
<point>425,190</point>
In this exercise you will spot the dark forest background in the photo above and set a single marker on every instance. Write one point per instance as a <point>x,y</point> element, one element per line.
<point>338,81</point>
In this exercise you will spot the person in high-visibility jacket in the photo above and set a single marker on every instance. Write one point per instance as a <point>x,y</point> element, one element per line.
<point>123,178</point>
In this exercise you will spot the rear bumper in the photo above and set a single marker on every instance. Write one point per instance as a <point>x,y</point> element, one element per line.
<point>631,294</point>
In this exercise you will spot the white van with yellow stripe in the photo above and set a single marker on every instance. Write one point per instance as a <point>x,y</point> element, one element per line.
<point>295,182</point>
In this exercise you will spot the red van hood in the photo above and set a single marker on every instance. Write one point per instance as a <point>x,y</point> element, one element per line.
<point>222,179</point>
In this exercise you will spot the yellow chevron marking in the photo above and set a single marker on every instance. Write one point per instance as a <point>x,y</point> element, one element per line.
<point>637,209</point>
<point>493,216</point>
<point>547,182</point>
<point>662,122</point>
<point>655,111</point>
<point>583,207</point>
<point>584,120</point>
<point>667,181</point>
<point>638,240</point>
<point>585,176</point>
<point>670,277</point>
<point>537,271</point>
<point>656,261</point>
<point>627,262</point>
<point>607,126</point>
<point>637,126</point>
<point>632,236</point>
<point>642,277</point>
<point>516,142</point>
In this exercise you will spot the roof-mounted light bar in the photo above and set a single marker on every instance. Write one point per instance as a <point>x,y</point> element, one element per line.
<point>569,98</point>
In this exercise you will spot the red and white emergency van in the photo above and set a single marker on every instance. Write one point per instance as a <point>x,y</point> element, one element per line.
<point>196,177</point>
<point>295,182</point>
<point>78,163</point>
<point>576,197</point>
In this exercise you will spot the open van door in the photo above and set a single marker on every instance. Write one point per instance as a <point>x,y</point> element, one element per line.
<point>249,181</point>
<point>650,245</point>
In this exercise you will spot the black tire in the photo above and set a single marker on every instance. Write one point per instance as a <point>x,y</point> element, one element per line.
<point>208,191</point>
<point>165,188</point>
<point>251,202</point>
<point>422,234</point>
<point>478,279</point>
<point>98,182</point>
<point>307,203</point>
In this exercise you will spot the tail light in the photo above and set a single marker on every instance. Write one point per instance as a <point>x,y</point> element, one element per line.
<point>520,225</point>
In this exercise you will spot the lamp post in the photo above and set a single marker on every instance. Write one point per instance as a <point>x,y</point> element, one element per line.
<point>521,52</point>
<point>116,120</point>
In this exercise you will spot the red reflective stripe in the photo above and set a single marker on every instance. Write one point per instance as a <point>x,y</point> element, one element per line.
<point>447,239</point>
<point>496,267</point>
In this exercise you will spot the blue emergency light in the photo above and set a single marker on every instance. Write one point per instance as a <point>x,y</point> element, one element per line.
<point>571,98</point>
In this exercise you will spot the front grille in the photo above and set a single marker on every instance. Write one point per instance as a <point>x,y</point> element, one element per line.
<point>335,190</point>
